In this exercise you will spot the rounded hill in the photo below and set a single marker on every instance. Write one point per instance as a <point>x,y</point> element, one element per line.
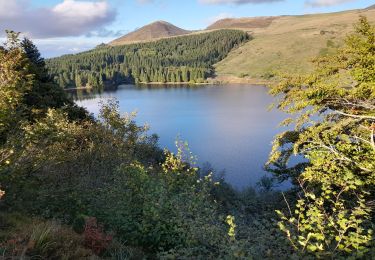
<point>153,31</point>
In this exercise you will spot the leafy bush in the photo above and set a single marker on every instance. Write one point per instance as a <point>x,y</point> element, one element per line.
<point>58,152</point>
<point>333,216</point>
<point>269,75</point>
<point>95,237</point>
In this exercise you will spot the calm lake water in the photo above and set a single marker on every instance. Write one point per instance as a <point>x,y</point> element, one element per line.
<point>228,126</point>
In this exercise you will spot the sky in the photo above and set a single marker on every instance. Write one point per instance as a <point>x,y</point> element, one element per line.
<point>60,27</point>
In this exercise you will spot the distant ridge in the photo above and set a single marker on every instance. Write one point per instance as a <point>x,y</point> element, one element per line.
<point>162,29</point>
<point>286,44</point>
<point>153,31</point>
<point>250,23</point>
<point>242,23</point>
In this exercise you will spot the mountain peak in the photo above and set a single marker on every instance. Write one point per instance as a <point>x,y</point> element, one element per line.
<point>153,31</point>
<point>161,22</point>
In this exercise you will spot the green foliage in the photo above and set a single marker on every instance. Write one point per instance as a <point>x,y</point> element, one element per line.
<point>79,224</point>
<point>53,146</point>
<point>16,80</point>
<point>179,59</point>
<point>332,216</point>
<point>26,91</point>
<point>266,184</point>
<point>173,208</point>
<point>232,227</point>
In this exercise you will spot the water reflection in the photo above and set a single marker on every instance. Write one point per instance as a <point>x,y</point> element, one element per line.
<point>228,126</point>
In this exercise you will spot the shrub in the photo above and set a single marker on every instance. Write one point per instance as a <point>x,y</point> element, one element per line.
<point>94,236</point>
<point>268,75</point>
<point>25,238</point>
<point>79,223</point>
<point>334,108</point>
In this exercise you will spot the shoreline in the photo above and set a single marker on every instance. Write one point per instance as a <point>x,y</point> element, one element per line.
<point>226,79</point>
<point>221,80</point>
<point>172,83</point>
<point>80,88</point>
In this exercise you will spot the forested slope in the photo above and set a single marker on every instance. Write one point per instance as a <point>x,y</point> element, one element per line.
<point>180,59</point>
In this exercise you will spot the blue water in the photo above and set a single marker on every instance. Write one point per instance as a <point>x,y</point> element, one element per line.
<point>228,126</point>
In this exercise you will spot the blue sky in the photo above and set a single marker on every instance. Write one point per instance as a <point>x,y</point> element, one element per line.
<point>69,26</point>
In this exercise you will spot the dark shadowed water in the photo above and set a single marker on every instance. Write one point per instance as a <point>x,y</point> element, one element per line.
<point>229,126</point>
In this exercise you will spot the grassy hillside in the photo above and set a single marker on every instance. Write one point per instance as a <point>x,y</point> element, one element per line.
<point>287,43</point>
<point>245,23</point>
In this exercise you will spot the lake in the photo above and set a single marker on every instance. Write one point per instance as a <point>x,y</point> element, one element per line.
<point>228,126</point>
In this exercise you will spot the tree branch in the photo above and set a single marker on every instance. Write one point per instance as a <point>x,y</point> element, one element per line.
<point>355,116</point>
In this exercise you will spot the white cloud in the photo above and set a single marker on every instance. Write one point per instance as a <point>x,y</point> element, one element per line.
<point>57,47</point>
<point>9,9</point>
<point>81,10</point>
<point>50,48</point>
<point>324,3</point>
<point>103,32</point>
<point>68,18</point>
<point>237,2</point>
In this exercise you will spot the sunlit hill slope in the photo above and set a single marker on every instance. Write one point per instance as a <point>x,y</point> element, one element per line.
<point>285,43</point>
